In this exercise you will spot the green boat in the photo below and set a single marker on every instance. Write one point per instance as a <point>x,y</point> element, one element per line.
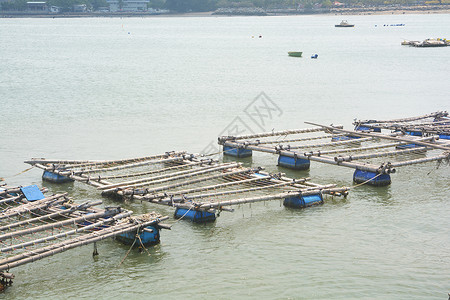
<point>295,54</point>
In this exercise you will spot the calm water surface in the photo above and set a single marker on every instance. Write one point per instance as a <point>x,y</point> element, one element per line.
<point>107,88</point>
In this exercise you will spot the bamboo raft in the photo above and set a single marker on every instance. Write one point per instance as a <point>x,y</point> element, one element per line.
<point>197,188</point>
<point>365,151</point>
<point>33,226</point>
<point>437,123</point>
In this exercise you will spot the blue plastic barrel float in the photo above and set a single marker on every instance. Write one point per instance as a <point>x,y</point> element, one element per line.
<point>344,138</point>
<point>414,133</point>
<point>236,152</point>
<point>408,146</point>
<point>361,176</point>
<point>293,162</point>
<point>367,129</point>
<point>149,236</point>
<point>55,178</point>
<point>445,136</point>
<point>196,216</point>
<point>301,201</point>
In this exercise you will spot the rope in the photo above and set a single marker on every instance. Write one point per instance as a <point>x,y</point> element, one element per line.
<point>362,183</point>
<point>215,153</point>
<point>26,170</point>
<point>181,217</point>
<point>128,252</point>
<point>142,244</point>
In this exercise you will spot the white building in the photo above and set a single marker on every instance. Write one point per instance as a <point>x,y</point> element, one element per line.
<point>127,5</point>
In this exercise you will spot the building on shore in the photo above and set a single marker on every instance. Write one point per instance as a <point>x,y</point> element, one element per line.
<point>37,6</point>
<point>80,8</point>
<point>128,5</point>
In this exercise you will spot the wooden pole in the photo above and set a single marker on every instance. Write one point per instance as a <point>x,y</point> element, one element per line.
<point>178,177</point>
<point>218,204</point>
<point>86,239</point>
<point>121,167</point>
<point>71,221</point>
<point>445,155</point>
<point>12,199</point>
<point>187,165</point>
<point>31,206</point>
<point>68,233</point>
<point>170,176</point>
<point>231,192</point>
<point>267,134</point>
<point>204,188</point>
<point>333,144</point>
<point>52,215</point>
<point>359,149</point>
<point>258,142</point>
<point>95,162</point>
<point>361,166</point>
<point>381,136</point>
<point>183,183</point>
<point>379,154</point>
<point>432,115</point>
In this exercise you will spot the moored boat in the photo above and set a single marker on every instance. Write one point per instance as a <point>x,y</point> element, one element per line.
<point>344,23</point>
<point>427,43</point>
<point>295,54</point>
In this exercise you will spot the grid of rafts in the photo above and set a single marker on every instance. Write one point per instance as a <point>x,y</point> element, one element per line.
<point>196,187</point>
<point>373,155</point>
<point>34,226</point>
<point>437,123</point>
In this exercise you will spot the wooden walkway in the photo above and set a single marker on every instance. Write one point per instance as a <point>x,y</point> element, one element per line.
<point>374,155</point>
<point>34,226</point>
<point>196,187</point>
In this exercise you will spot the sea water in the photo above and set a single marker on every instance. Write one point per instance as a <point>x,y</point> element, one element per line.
<point>110,88</point>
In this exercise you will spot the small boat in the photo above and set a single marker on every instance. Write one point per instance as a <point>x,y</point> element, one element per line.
<point>344,23</point>
<point>295,54</point>
<point>431,43</point>
<point>409,43</point>
<point>315,56</point>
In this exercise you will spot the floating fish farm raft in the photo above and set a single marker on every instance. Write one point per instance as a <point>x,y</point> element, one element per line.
<point>197,188</point>
<point>364,149</point>
<point>33,226</point>
<point>437,123</point>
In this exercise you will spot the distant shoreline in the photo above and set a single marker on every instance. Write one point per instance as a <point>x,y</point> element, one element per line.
<point>441,9</point>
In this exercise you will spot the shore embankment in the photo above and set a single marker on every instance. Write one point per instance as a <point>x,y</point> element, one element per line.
<point>379,10</point>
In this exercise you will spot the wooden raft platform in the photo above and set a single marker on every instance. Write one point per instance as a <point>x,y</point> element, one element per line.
<point>34,226</point>
<point>196,187</point>
<point>370,153</point>
<point>437,123</point>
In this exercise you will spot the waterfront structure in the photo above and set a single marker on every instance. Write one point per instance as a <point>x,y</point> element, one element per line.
<point>128,5</point>
<point>196,187</point>
<point>365,149</point>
